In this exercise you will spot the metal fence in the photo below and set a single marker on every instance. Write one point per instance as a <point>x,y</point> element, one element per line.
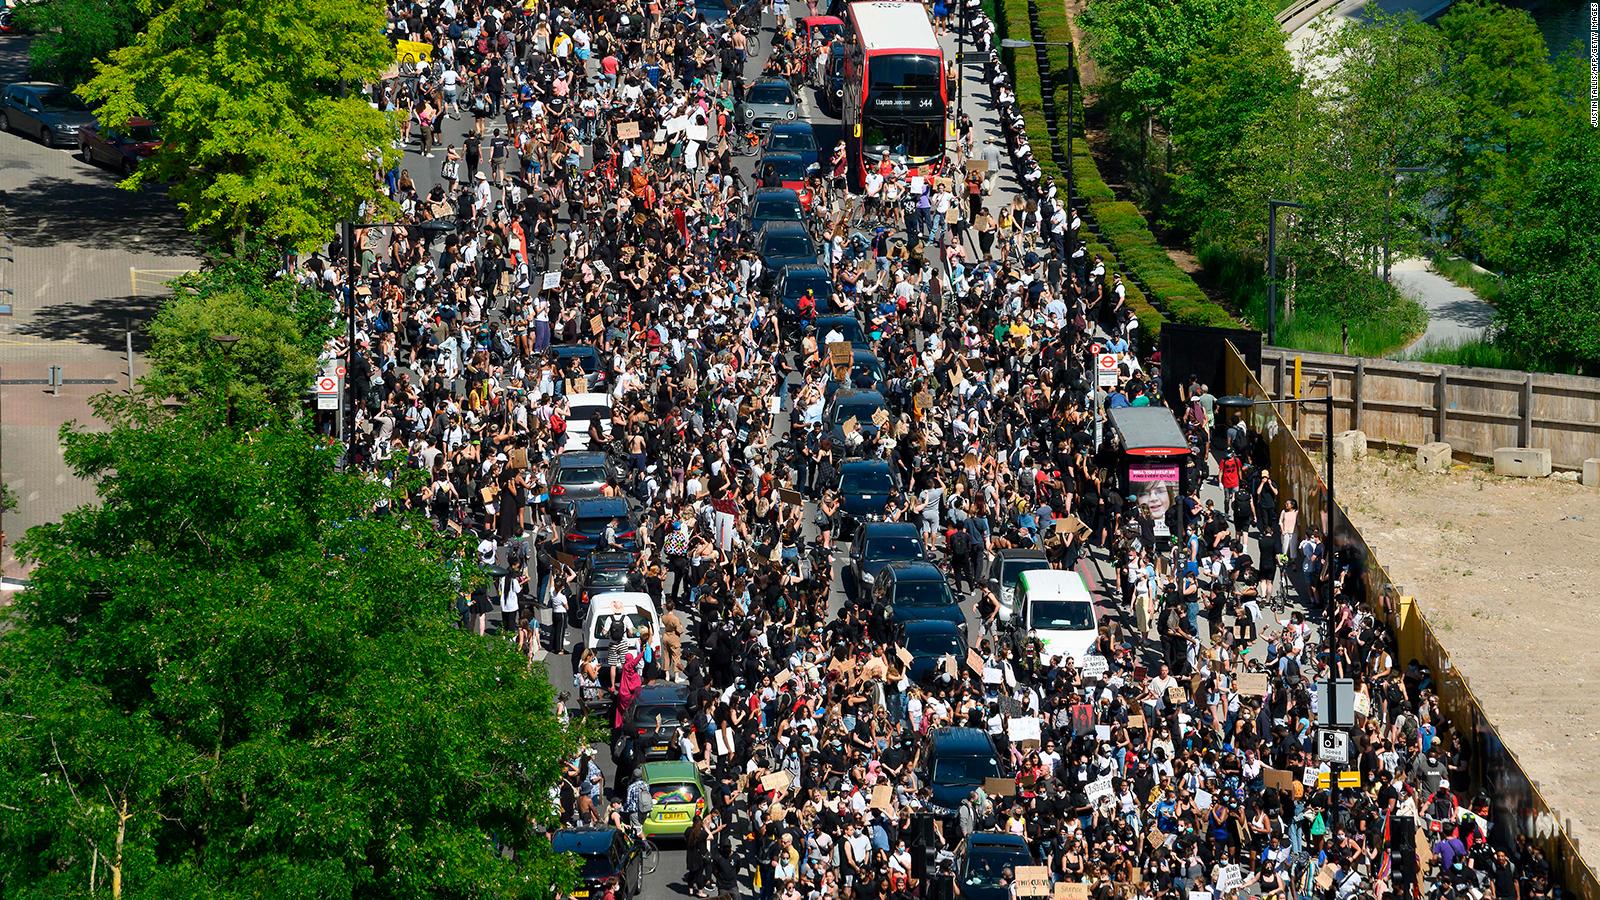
<point>1520,808</point>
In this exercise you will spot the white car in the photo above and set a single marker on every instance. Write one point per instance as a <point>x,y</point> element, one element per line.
<point>1055,607</point>
<point>635,609</point>
<point>581,410</point>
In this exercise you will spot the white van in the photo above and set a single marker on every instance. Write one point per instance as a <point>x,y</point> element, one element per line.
<point>1056,607</point>
<point>634,608</point>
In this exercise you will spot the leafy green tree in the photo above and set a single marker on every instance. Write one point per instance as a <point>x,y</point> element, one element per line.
<point>1499,69</point>
<point>72,34</point>
<point>1142,47</point>
<point>264,130</point>
<point>1550,316</point>
<point>281,329</point>
<point>230,679</point>
<point>1223,92</point>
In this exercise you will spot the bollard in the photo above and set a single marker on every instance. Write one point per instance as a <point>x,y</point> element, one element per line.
<point>55,380</point>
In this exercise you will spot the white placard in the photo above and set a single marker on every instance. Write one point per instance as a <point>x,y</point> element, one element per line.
<point>1202,799</point>
<point>991,675</point>
<point>1094,666</point>
<point>1102,733</point>
<point>552,280</point>
<point>696,133</point>
<point>1023,728</point>
<point>917,184</point>
<point>1098,789</point>
<point>675,125</point>
<point>1229,878</point>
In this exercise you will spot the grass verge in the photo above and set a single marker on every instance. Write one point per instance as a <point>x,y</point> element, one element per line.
<point>1464,274</point>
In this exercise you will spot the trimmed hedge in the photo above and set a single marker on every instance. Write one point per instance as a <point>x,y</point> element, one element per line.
<point>1128,241</point>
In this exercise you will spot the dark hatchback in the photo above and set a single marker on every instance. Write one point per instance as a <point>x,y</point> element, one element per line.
<point>775,205</point>
<point>858,405</point>
<point>989,864</point>
<point>668,702</point>
<point>930,642</point>
<point>784,244</point>
<point>864,489</point>
<point>956,763</point>
<point>792,284</point>
<point>583,524</point>
<point>119,150</point>
<point>877,544</point>
<point>603,573</point>
<point>607,858</point>
<point>914,591</point>
<point>48,112</point>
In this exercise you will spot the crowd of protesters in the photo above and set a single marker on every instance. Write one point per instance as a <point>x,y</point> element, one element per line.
<point>552,227</point>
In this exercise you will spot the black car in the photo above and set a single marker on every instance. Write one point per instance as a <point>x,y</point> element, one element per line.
<point>846,326</point>
<point>858,405</point>
<point>607,858</point>
<point>866,374</point>
<point>916,591</point>
<point>931,642</point>
<point>659,716</point>
<point>989,863</point>
<point>579,475</point>
<point>588,361</point>
<point>602,573</point>
<point>876,544</point>
<point>864,489</point>
<point>583,525</point>
<point>783,244</point>
<point>775,205</point>
<point>956,763</point>
<point>793,283</point>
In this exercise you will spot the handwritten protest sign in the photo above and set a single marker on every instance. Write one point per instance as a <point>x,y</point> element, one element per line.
<point>1099,789</point>
<point>1033,881</point>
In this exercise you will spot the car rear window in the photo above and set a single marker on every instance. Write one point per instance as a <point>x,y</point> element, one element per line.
<point>582,475</point>
<point>680,792</point>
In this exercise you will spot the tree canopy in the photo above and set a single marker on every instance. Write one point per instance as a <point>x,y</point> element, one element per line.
<point>71,34</point>
<point>264,130</point>
<point>230,678</point>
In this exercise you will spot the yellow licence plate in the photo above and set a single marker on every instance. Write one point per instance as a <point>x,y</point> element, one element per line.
<point>674,817</point>
<point>580,893</point>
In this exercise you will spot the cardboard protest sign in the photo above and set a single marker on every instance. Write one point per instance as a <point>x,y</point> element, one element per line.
<point>1071,890</point>
<point>1325,876</point>
<point>999,787</point>
<point>850,425</point>
<point>1277,779</point>
<point>880,418</point>
<point>1177,695</point>
<point>627,130</point>
<point>1363,705</point>
<point>518,458</point>
<point>783,678</point>
<point>597,325</point>
<point>981,166</point>
<point>1202,799</point>
<point>1136,721</point>
<point>882,797</point>
<point>948,665</point>
<point>1253,684</point>
<point>840,353</point>
<point>776,781</point>
<point>904,655</point>
<point>793,498</point>
<point>1033,881</point>
<point>974,661</point>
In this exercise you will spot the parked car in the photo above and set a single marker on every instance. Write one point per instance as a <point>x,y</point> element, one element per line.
<point>579,475</point>
<point>877,544</point>
<point>866,374</point>
<point>120,149</point>
<point>603,573</point>
<point>848,327</point>
<point>775,205</point>
<point>667,702</point>
<point>793,282</point>
<point>48,112</point>
<point>588,360</point>
<point>916,591</point>
<point>793,137</point>
<point>864,489</point>
<point>931,642</point>
<point>1055,608</point>
<point>957,762</point>
<point>608,859</point>
<point>788,170</point>
<point>768,101</point>
<point>783,244</point>
<point>852,404</point>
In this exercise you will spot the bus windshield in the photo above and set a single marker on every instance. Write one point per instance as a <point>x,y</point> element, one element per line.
<point>904,72</point>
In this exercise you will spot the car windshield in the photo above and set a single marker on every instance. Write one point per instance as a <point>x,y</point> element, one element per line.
<point>596,866</point>
<point>861,410</point>
<point>865,481</point>
<point>778,208</point>
<point>585,413</point>
<point>787,168</point>
<point>583,475</point>
<point>1062,615</point>
<point>645,713</point>
<point>922,593</point>
<point>964,769</point>
<point>984,869</point>
<point>608,578</point>
<point>597,524</point>
<point>1012,569</point>
<point>770,92</point>
<point>798,139</point>
<point>795,285</point>
<point>937,644</point>
<point>790,245</point>
<point>61,100</point>
<point>894,548</point>
<point>139,133</point>
<point>674,792</point>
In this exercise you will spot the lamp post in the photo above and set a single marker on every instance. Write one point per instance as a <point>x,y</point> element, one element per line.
<point>226,342</point>
<point>1272,266</point>
<point>1388,209</point>
<point>1331,510</point>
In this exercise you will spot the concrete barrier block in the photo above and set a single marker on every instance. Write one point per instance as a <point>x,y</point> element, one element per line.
<point>1434,457</point>
<point>1522,462</point>
<point>1591,472</point>
<point>1349,446</point>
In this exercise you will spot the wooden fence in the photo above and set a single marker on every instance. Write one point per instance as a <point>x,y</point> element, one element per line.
<point>1520,807</point>
<point>1475,411</point>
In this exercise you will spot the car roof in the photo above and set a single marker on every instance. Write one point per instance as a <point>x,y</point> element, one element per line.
<point>997,839</point>
<point>873,528</point>
<point>778,225</point>
<point>852,465</point>
<point>663,692</point>
<point>780,155</point>
<point>864,394</point>
<point>822,20</point>
<point>606,560</point>
<point>804,269</point>
<point>670,770</point>
<point>34,85</point>
<point>915,570</point>
<point>592,506</point>
<point>862,354</point>
<point>1055,584</point>
<point>836,317</point>
<point>581,457</point>
<point>769,193</point>
<point>793,126</point>
<point>1020,553</point>
<point>588,399</point>
<point>572,349</point>
<point>960,738</point>
<point>772,79</point>
<point>582,840</point>
<point>930,626</point>
<point>612,602</point>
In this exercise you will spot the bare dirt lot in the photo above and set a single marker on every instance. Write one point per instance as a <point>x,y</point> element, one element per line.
<point>1507,570</point>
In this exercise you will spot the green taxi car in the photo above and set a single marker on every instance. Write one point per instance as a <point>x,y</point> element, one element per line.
<point>676,794</point>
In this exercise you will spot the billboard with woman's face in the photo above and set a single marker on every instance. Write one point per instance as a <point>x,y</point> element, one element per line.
<point>1155,485</point>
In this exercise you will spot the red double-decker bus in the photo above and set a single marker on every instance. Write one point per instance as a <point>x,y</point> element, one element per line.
<point>894,86</point>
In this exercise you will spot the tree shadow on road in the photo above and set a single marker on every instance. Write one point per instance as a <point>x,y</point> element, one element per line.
<point>51,210</point>
<point>100,322</point>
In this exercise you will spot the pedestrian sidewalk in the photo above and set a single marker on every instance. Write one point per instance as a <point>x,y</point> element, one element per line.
<point>1455,314</point>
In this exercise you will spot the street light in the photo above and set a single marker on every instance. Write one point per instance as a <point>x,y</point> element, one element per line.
<point>1388,209</point>
<point>226,342</point>
<point>1272,267</point>
<point>1331,510</point>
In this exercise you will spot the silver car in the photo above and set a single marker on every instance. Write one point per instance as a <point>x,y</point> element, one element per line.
<point>767,101</point>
